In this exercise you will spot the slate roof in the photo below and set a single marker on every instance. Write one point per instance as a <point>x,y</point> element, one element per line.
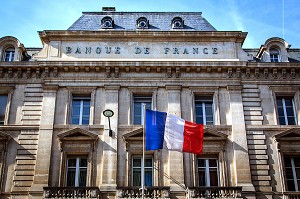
<point>158,21</point>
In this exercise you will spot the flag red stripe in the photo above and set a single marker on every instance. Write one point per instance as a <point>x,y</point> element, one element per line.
<point>193,138</point>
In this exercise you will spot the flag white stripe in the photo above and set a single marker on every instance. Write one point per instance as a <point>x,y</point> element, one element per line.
<point>174,129</point>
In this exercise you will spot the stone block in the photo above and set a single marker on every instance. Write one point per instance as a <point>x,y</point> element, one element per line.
<point>260,183</point>
<point>256,137</point>
<point>258,157</point>
<point>23,178</point>
<point>252,113</point>
<point>259,173</point>
<point>28,137</point>
<point>251,99</point>
<point>31,142</point>
<point>256,142</point>
<point>257,152</point>
<point>258,162</point>
<point>26,162</point>
<point>259,167</point>
<point>27,152</point>
<point>24,173</point>
<point>254,117</point>
<point>261,178</point>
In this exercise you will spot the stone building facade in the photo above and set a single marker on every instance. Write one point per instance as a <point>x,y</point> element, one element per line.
<point>55,141</point>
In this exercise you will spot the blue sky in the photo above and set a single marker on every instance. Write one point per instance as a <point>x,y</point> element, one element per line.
<point>262,19</point>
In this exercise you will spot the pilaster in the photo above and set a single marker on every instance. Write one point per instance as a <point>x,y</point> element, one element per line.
<point>239,139</point>
<point>42,167</point>
<point>109,170</point>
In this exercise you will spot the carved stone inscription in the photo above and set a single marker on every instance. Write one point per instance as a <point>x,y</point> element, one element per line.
<point>147,50</point>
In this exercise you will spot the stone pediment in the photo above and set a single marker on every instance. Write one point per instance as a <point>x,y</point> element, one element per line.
<point>136,134</point>
<point>211,133</point>
<point>292,134</point>
<point>77,134</point>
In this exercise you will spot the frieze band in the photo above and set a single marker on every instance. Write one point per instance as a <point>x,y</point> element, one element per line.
<point>141,50</point>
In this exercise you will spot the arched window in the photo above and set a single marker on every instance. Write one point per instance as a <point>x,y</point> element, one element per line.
<point>142,23</point>
<point>9,54</point>
<point>107,22</point>
<point>177,23</point>
<point>274,55</point>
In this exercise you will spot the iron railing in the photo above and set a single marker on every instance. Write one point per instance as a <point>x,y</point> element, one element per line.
<point>72,192</point>
<point>149,192</point>
<point>214,192</point>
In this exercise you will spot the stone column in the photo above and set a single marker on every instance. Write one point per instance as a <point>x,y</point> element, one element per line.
<point>109,170</point>
<point>42,167</point>
<point>240,148</point>
<point>176,172</point>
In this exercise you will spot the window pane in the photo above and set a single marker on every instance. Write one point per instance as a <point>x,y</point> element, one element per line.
<point>291,185</point>
<point>148,162</point>
<point>201,174</point>
<point>83,162</point>
<point>72,162</point>
<point>71,177</point>
<point>213,177</point>
<point>75,120</point>
<point>82,177</point>
<point>137,162</point>
<point>3,102</point>
<point>136,177</point>
<point>213,163</point>
<point>148,177</point>
<point>297,161</point>
<point>137,107</point>
<point>201,162</point>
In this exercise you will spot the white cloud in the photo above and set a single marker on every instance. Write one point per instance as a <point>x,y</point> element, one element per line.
<point>234,13</point>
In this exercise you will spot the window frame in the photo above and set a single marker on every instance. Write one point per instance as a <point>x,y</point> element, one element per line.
<point>283,98</point>
<point>80,92</point>
<point>293,167</point>
<point>274,57</point>
<point>208,170</point>
<point>133,168</point>
<point>81,108</point>
<point>203,104</point>
<point>133,106</point>
<point>11,51</point>
<point>69,141</point>
<point>77,170</point>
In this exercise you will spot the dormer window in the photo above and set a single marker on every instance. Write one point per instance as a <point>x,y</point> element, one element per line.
<point>9,54</point>
<point>274,55</point>
<point>107,23</point>
<point>142,23</point>
<point>177,23</point>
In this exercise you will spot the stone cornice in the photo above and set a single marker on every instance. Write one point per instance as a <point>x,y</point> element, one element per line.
<point>172,69</point>
<point>120,35</point>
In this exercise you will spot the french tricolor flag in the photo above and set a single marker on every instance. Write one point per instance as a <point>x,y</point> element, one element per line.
<point>173,132</point>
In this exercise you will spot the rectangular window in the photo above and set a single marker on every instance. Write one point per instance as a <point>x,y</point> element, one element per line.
<point>204,110</point>
<point>80,110</point>
<point>286,110</point>
<point>208,172</point>
<point>3,104</point>
<point>292,173</point>
<point>138,117</point>
<point>137,171</point>
<point>76,171</point>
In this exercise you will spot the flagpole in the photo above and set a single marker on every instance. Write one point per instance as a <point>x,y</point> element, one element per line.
<point>143,158</point>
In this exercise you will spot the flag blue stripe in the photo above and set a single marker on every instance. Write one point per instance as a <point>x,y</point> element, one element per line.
<point>155,128</point>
